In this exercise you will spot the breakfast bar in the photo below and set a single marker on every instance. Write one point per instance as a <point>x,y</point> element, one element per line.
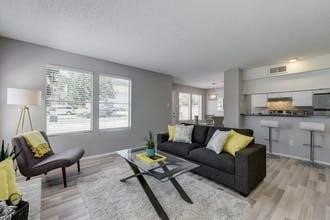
<point>288,110</point>
<point>291,141</point>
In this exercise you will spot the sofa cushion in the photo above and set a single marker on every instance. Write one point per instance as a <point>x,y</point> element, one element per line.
<point>222,161</point>
<point>178,148</point>
<point>199,134</point>
<point>62,159</point>
<point>211,130</point>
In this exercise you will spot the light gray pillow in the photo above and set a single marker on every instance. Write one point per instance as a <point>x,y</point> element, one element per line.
<point>218,140</point>
<point>183,133</point>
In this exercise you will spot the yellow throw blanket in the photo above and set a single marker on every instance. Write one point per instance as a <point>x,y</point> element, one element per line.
<point>37,143</point>
<point>7,179</point>
<point>4,194</point>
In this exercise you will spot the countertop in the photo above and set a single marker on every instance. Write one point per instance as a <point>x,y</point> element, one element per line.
<point>281,115</point>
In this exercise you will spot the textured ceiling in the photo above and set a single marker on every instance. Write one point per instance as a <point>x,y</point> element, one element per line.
<point>195,41</point>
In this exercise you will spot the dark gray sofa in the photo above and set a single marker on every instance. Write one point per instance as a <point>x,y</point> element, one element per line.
<point>241,173</point>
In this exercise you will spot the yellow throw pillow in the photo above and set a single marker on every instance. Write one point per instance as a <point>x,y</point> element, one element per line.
<point>4,195</point>
<point>236,142</point>
<point>7,166</point>
<point>171,132</point>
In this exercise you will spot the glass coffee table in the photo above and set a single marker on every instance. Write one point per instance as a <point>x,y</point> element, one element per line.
<point>163,171</point>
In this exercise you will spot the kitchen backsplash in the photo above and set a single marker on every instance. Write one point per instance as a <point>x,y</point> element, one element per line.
<point>280,105</point>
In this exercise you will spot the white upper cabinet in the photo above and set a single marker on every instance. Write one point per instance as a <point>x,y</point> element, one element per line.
<point>259,100</point>
<point>273,95</point>
<point>286,94</point>
<point>303,98</point>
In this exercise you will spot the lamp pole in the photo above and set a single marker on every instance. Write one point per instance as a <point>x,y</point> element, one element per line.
<point>25,110</point>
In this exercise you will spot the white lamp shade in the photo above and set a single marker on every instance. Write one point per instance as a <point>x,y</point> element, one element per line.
<point>212,96</point>
<point>23,97</point>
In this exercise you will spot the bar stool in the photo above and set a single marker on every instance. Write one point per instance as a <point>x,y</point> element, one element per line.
<point>270,125</point>
<point>312,127</point>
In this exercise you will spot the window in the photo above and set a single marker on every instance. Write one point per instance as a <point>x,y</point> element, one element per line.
<point>220,104</point>
<point>184,106</point>
<point>114,102</point>
<point>196,107</point>
<point>190,105</point>
<point>68,100</point>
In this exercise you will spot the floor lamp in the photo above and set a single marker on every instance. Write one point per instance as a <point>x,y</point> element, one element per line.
<point>24,98</point>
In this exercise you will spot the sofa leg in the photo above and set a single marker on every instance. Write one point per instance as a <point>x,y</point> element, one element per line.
<point>64,176</point>
<point>243,194</point>
<point>78,165</point>
<point>28,178</point>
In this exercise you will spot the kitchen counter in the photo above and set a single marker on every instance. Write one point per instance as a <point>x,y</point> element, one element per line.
<point>286,116</point>
<point>290,138</point>
<point>278,115</point>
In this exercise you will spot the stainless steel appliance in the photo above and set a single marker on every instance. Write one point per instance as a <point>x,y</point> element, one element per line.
<point>321,104</point>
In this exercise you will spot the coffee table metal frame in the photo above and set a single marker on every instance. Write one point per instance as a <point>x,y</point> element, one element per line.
<point>154,201</point>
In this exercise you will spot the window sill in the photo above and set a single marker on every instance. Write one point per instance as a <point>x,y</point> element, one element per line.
<point>101,131</point>
<point>70,133</point>
<point>109,130</point>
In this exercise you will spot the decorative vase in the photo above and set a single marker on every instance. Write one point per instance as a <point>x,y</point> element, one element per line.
<point>150,152</point>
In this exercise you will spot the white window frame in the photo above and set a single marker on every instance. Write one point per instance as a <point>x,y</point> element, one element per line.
<point>201,106</point>
<point>190,106</point>
<point>56,67</point>
<point>129,103</point>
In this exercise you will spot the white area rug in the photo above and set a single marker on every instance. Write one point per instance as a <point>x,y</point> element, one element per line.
<point>108,198</point>
<point>31,192</point>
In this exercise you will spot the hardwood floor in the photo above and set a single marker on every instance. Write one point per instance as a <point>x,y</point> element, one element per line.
<point>290,191</point>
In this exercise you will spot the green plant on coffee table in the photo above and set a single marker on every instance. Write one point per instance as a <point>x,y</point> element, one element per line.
<point>150,143</point>
<point>5,153</point>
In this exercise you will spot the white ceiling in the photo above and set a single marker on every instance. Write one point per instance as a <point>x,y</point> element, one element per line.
<point>195,41</point>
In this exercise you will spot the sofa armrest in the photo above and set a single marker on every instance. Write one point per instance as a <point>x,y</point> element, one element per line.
<point>163,137</point>
<point>250,168</point>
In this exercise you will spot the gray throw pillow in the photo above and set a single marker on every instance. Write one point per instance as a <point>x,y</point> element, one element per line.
<point>183,133</point>
<point>218,140</point>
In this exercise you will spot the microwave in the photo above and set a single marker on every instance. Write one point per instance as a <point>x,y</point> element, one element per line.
<point>321,104</point>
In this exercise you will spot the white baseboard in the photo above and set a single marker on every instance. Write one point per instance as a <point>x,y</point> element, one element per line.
<point>300,158</point>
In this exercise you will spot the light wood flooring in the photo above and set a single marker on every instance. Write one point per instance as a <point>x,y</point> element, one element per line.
<point>290,191</point>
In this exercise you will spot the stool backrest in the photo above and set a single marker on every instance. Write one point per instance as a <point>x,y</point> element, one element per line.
<point>270,124</point>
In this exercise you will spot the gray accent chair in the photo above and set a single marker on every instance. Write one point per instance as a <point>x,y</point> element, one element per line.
<point>30,166</point>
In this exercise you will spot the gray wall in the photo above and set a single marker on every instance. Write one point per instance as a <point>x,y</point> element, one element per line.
<point>233,101</point>
<point>22,65</point>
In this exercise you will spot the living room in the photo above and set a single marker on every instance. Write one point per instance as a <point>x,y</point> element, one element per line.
<point>164,110</point>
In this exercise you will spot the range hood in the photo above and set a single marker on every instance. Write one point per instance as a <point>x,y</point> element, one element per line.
<point>280,99</point>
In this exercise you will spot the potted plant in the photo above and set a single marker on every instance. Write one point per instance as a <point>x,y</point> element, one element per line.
<point>5,153</point>
<point>150,145</point>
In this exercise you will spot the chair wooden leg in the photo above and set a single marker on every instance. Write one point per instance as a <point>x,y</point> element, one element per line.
<point>28,178</point>
<point>64,176</point>
<point>78,165</point>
